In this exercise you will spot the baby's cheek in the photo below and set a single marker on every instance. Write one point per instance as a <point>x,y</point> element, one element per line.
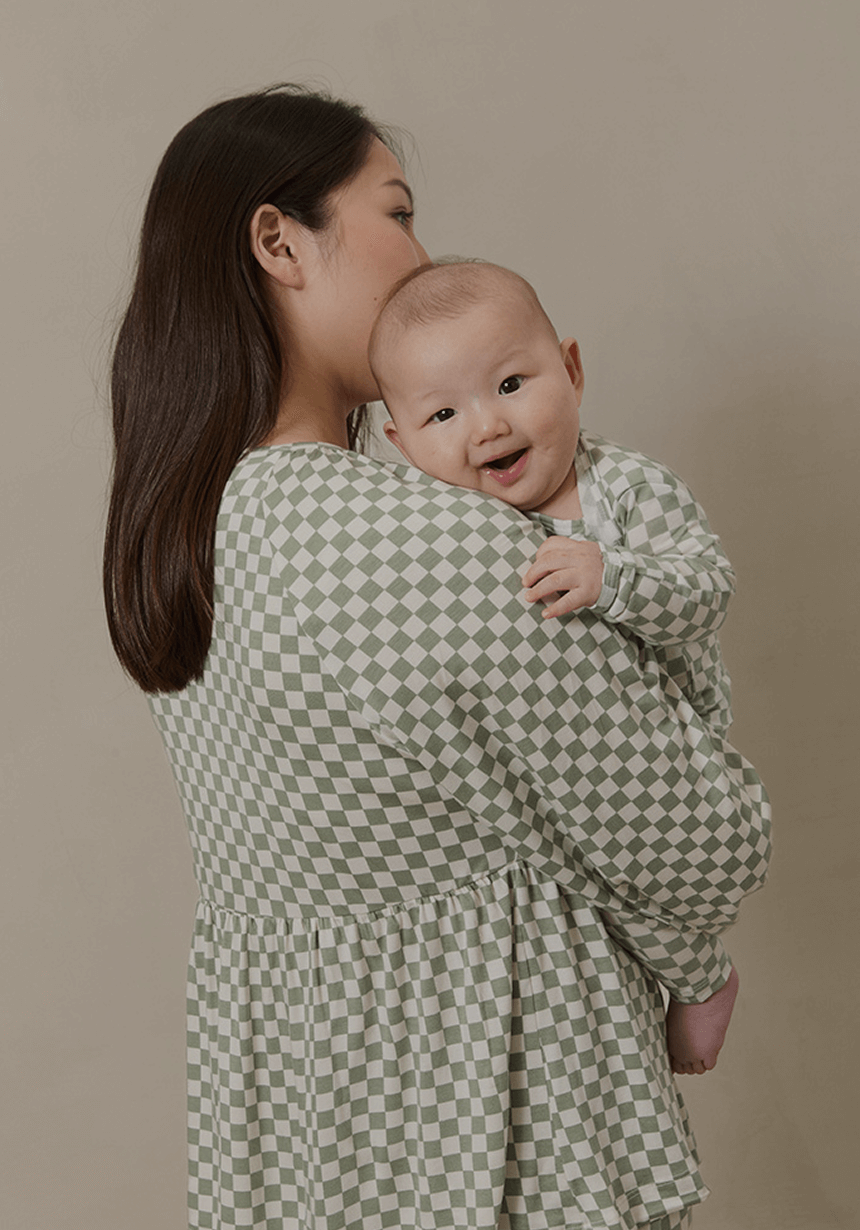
<point>438,463</point>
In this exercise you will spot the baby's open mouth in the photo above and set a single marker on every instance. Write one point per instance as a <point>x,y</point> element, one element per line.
<point>505,463</point>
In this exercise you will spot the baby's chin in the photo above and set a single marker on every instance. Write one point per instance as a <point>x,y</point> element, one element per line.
<point>522,506</point>
<point>511,500</point>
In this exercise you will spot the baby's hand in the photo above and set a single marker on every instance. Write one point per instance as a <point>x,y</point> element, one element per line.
<point>696,1032</point>
<point>569,567</point>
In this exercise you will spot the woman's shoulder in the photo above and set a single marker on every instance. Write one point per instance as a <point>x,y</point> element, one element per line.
<point>320,483</point>
<point>333,526</point>
<point>282,474</point>
<point>273,467</point>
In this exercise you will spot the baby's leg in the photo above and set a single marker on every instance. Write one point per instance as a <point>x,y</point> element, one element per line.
<point>696,1032</point>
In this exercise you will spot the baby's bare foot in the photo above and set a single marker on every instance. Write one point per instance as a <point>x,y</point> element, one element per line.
<point>696,1032</point>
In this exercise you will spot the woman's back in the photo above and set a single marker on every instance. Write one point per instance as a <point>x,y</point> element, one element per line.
<point>321,819</point>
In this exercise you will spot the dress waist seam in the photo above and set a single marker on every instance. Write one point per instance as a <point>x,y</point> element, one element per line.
<point>401,910</point>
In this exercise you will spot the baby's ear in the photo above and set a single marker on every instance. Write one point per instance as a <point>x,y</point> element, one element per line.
<point>573,362</point>
<point>391,434</point>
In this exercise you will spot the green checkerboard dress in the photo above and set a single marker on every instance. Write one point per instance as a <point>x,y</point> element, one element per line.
<point>445,849</point>
<point>666,577</point>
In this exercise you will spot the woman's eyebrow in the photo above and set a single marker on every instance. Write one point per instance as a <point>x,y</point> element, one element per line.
<point>400,183</point>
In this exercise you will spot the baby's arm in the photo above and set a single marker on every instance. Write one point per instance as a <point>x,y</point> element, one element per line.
<point>666,578</point>
<point>695,1032</point>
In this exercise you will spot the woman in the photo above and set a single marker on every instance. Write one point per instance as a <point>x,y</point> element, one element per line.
<point>445,848</point>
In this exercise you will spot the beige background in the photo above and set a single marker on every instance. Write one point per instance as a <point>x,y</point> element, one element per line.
<point>679,180</point>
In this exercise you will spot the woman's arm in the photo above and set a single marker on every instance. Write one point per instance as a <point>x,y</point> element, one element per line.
<point>554,735</point>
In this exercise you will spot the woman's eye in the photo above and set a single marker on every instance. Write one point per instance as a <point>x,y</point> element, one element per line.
<point>442,416</point>
<point>405,217</point>
<point>511,384</point>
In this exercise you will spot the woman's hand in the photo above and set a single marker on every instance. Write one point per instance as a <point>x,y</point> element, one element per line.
<point>572,568</point>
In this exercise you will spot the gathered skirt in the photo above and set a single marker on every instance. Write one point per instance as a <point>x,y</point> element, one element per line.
<point>489,1057</point>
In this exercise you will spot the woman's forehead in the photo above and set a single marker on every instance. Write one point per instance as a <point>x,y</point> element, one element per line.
<point>381,170</point>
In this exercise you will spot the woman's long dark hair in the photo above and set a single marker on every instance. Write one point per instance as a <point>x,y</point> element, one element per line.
<point>198,370</point>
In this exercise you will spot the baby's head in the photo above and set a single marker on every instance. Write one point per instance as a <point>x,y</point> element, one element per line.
<point>480,391</point>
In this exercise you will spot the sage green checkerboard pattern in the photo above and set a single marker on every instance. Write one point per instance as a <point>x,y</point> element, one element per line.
<point>673,1221</point>
<point>442,846</point>
<point>666,577</point>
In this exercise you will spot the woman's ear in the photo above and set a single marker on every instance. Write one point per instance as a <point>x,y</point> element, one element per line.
<point>278,242</point>
<point>573,362</point>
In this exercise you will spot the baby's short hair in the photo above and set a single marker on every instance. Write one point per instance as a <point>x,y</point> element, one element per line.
<point>443,290</point>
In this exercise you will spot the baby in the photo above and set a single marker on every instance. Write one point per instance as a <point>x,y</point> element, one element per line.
<point>482,395</point>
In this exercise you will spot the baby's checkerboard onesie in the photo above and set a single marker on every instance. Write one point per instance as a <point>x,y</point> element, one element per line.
<point>445,849</point>
<point>665,574</point>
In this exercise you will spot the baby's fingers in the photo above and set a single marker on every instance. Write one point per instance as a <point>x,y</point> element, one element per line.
<point>549,582</point>
<point>564,591</point>
<point>539,569</point>
<point>564,604</point>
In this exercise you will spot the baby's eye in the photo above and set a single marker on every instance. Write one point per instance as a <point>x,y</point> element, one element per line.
<point>511,384</point>
<point>442,416</point>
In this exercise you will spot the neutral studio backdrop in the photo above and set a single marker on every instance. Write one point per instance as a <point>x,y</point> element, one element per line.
<point>679,181</point>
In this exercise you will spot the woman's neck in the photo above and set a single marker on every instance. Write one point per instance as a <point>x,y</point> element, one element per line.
<point>310,412</point>
<point>305,426</point>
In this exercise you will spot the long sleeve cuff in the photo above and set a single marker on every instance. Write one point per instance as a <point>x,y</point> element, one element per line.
<point>691,965</point>
<point>611,581</point>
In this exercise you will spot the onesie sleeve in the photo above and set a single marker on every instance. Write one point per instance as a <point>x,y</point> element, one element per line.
<point>553,734</point>
<point>668,580</point>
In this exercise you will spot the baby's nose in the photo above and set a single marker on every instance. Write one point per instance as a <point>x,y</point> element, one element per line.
<point>487,425</point>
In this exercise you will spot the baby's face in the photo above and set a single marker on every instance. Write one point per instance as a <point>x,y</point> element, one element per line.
<point>489,401</point>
